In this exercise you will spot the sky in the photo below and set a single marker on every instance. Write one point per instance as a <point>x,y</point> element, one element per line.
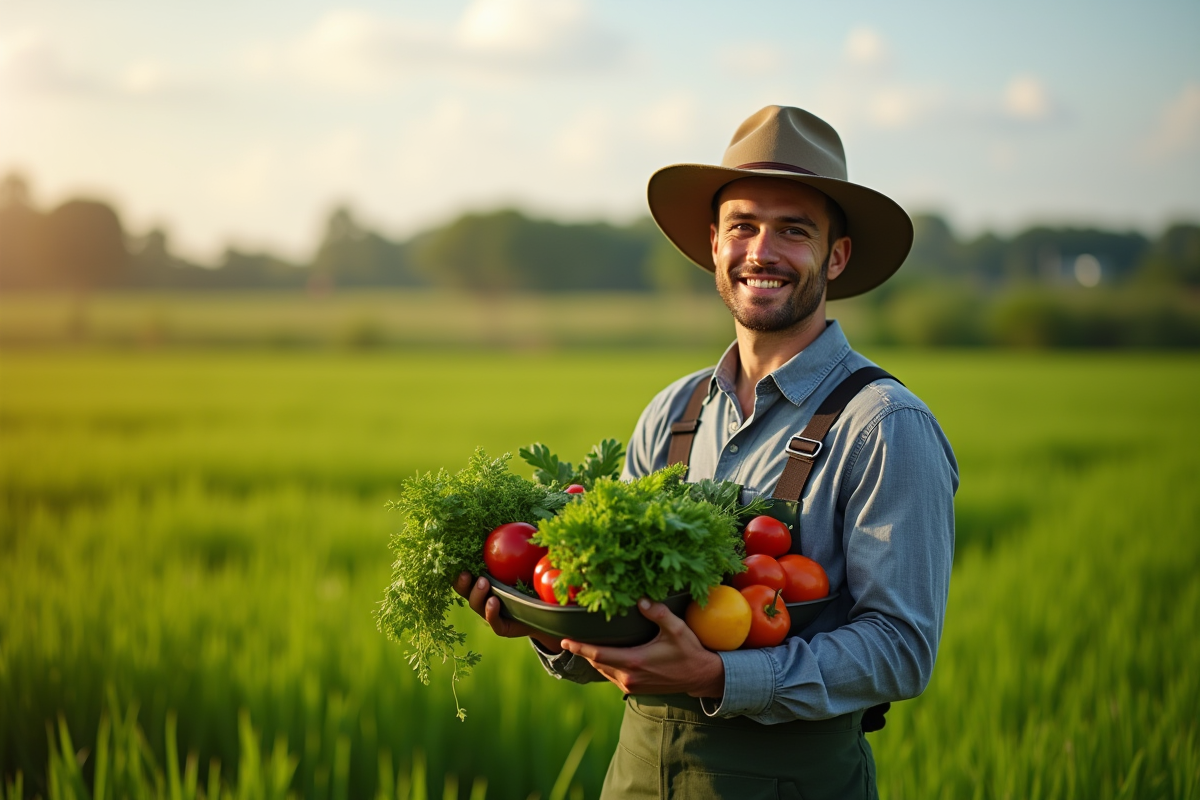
<point>241,123</point>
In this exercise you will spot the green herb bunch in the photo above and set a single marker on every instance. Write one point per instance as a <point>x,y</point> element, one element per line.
<point>647,538</point>
<point>604,461</point>
<point>446,520</point>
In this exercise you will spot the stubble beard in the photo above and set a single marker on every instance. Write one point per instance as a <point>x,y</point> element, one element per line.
<point>804,300</point>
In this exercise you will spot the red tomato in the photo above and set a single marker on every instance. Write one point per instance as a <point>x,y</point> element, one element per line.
<point>574,488</point>
<point>760,569</point>
<point>545,587</point>
<point>769,618</point>
<point>806,580</point>
<point>542,565</point>
<point>767,536</point>
<point>509,555</point>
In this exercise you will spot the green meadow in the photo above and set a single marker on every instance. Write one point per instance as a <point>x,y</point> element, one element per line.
<point>192,541</point>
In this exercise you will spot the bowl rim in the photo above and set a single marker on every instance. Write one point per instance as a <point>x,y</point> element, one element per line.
<point>511,593</point>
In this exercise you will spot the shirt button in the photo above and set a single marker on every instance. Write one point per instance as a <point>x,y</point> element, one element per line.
<point>733,448</point>
<point>733,426</point>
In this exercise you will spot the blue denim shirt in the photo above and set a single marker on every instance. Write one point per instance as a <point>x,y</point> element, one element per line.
<point>878,515</point>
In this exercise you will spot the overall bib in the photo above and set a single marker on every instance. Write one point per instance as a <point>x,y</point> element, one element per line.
<point>669,748</point>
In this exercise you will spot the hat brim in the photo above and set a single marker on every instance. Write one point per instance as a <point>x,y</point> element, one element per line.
<point>680,198</point>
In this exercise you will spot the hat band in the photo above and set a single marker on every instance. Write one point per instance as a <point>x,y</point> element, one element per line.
<point>776,165</point>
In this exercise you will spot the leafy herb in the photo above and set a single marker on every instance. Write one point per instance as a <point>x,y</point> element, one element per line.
<point>650,537</point>
<point>446,520</point>
<point>604,461</point>
<point>727,495</point>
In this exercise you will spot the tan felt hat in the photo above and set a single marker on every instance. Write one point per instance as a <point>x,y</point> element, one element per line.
<point>790,143</point>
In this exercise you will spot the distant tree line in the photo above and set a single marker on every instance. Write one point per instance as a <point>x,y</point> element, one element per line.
<point>1028,288</point>
<point>82,245</point>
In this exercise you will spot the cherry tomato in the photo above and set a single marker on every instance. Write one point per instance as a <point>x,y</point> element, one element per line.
<point>574,488</point>
<point>769,618</point>
<point>806,580</point>
<point>509,555</point>
<point>545,587</point>
<point>760,569</point>
<point>724,622</point>
<point>767,536</point>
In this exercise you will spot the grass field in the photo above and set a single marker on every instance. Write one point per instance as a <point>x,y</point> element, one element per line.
<point>195,540</point>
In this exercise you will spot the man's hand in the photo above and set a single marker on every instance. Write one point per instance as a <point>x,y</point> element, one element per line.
<point>478,594</point>
<point>672,662</point>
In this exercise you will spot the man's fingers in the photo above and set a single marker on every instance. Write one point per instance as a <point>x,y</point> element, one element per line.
<point>479,596</point>
<point>462,584</point>
<point>595,653</point>
<point>659,614</point>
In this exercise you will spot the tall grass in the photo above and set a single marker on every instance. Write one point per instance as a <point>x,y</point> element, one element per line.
<point>201,537</point>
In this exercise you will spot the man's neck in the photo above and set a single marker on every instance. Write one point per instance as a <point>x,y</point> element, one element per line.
<point>760,354</point>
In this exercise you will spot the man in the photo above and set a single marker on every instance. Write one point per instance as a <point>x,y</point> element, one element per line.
<point>784,231</point>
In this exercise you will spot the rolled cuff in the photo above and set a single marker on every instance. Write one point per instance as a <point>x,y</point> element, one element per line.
<point>749,685</point>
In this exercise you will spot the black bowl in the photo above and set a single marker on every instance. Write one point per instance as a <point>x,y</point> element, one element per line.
<point>573,622</point>
<point>802,614</point>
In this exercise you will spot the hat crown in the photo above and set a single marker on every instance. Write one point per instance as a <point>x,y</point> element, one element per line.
<point>779,137</point>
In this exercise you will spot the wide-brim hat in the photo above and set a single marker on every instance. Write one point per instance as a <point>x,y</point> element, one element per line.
<point>789,143</point>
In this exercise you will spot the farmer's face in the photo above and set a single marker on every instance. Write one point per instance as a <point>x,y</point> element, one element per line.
<point>772,254</point>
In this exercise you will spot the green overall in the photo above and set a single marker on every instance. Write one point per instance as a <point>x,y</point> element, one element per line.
<point>669,748</point>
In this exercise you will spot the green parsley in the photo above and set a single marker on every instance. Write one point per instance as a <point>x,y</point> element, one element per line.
<point>447,518</point>
<point>651,537</point>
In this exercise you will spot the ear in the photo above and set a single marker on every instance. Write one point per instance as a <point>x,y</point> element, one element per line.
<point>712,239</point>
<point>839,257</point>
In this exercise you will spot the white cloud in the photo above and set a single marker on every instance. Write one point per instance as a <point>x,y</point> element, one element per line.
<point>1178,128</point>
<point>745,59</point>
<point>670,121</point>
<point>865,47</point>
<point>359,50</point>
<point>1026,98</point>
<point>144,78</point>
<point>29,62</point>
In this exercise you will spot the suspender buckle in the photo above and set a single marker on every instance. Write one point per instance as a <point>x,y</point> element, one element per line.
<point>812,447</point>
<point>687,426</point>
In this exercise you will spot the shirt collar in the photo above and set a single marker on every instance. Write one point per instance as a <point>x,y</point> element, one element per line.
<point>801,375</point>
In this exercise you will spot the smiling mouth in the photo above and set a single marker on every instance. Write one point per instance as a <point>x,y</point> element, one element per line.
<point>762,283</point>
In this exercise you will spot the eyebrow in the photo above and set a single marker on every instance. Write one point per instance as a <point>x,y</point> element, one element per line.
<point>740,216</point>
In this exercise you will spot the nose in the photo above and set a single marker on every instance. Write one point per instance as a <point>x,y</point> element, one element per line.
<point>760,250</point>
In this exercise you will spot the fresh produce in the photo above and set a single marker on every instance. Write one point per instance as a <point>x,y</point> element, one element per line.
<point>604,461</point>
<point>723,621</point>
<point>806,579</point>
<point>769,618</point>
<point>575,488</point>
<point>542,565</point>
<point>651,537</point>
<point>767,536</point>
<point>510,555</point>
<point>760,569</point>
<point>447,518</point>
<point>545,587</point>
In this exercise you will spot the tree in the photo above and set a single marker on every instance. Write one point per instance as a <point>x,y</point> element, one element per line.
<point>85,246</point>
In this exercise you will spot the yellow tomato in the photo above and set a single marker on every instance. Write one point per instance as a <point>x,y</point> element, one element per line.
<point>722,624</point>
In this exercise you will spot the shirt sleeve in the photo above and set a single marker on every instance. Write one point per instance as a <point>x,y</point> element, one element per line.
<point>898,537</point>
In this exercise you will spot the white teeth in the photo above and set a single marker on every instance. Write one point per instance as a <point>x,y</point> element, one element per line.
<point>759,283</point>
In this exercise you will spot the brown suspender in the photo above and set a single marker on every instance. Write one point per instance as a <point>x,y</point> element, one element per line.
<point>684,431</point>
<point>802,449</point>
